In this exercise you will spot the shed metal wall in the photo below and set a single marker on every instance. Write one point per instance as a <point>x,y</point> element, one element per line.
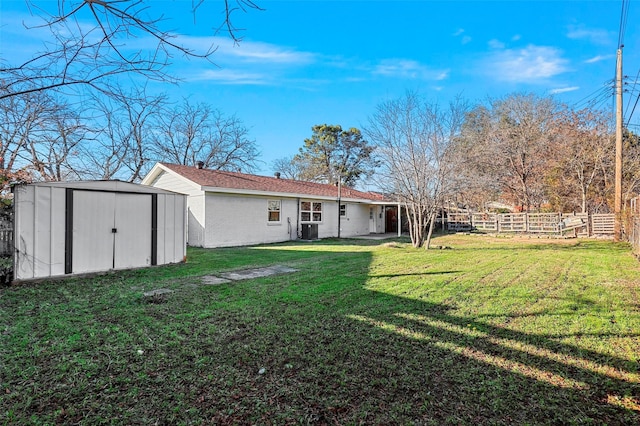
<point>95,227</point>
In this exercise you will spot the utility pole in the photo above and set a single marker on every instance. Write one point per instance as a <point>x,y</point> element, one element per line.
<point>617,228</point>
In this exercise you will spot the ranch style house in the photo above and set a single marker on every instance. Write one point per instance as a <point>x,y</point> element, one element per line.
<point>226,209</point>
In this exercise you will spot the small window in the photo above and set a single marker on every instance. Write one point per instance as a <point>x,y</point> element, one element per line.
<point>310,211</point>
<point>343,209</point>
<point>274,210</point>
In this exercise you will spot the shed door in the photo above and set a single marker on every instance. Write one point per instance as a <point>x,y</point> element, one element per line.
<point>110,231</point>
<point>132,245</point>
<point>93,219</point>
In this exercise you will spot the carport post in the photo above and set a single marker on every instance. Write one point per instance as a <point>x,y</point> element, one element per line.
<point>399,220</point>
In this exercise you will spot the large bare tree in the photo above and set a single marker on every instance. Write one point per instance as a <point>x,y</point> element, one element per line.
<point>123,142</point>
<point>289,167</point>
<point>578,173</point>
<point>415,142</point>
<point>512,140</point>
<point>40,137</point>
<point>197,132</point>
<point>89,44</point>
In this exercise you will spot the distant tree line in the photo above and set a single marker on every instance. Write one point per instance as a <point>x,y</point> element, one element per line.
<point>45,138</point>
<point>523,150</point>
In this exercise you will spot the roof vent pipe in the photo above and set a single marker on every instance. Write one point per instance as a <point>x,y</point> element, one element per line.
<point>200,164</point>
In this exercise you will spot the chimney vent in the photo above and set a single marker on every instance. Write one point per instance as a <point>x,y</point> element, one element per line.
<point>277,175</point>
<point>200,164</point>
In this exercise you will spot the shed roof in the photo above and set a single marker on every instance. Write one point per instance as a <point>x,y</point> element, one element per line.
<point>103,185</point>
<point>210,179</point>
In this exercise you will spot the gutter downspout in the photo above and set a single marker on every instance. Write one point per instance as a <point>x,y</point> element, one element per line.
<point>297,217</point>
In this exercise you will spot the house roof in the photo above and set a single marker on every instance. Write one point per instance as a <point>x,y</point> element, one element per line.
<point>210,179</point>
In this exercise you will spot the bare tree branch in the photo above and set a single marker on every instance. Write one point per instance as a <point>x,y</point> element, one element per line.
<point>93,57</point>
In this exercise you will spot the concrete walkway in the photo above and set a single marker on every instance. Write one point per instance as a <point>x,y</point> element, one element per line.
<point>246,274</point>
<point>377,236</point>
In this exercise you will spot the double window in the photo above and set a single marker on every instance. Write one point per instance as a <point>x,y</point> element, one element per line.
<point>310,211</point>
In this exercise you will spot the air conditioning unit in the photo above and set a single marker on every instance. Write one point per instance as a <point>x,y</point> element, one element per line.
<point>309,231</point>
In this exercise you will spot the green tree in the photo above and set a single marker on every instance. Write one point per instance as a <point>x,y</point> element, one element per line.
<point>332,154</point>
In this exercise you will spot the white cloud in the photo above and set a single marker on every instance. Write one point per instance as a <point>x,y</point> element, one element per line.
<point>232,77</point>
<point>464,39</point>
<point>564,90</point>
<point>409,69</point>
<point>248,51</point>
<point>496,44</point>
<point>593,35</point>
<point>265,52</point>
<point>528,65</point>
<point>598,58</point>
<point>516,37</point>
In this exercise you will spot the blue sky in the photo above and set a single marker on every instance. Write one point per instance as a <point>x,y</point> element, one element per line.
<point>303,63</point>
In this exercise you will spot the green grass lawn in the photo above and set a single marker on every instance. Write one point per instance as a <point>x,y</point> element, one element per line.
<point>492,331</point>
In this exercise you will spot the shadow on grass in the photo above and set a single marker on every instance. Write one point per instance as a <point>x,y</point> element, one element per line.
<point>313,347</point>
<point>415,274</point>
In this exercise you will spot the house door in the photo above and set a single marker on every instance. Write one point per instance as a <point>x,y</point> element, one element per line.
<point>391,219</point>
<point>110,231</point>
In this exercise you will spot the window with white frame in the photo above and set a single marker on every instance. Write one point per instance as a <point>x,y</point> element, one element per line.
<point>274,210</point>
<point>343,209</point>
<point>310,211</point>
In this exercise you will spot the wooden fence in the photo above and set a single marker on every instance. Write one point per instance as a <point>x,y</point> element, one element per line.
<point>577,224</point>
<point>632,225</point>
<point>6,237</point>
<point>6,242</point>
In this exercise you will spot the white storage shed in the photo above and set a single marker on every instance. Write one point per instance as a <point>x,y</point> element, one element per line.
<point>63,228</point>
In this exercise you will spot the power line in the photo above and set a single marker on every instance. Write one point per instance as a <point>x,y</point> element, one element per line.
<point>624,14</point>
<point>637,99</point>
<point>597,96</point>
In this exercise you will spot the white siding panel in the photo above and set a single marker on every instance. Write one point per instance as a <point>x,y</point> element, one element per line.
<point>24,228</point>
<point>163,233</point>
<point>196,220</point>
<point>171,228</point>
<point>93,240</point>
<point>356,222</point>
<point>329,226</point>
<point>57,229</point>
<point>242,220</point>
<point>42,235</point>
<point>175,211</point>
<point>180,218</point>
<point>173,183</point>
<point>132,247</point>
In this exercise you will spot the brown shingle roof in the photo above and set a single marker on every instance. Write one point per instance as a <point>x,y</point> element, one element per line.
<point>242,181</point>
